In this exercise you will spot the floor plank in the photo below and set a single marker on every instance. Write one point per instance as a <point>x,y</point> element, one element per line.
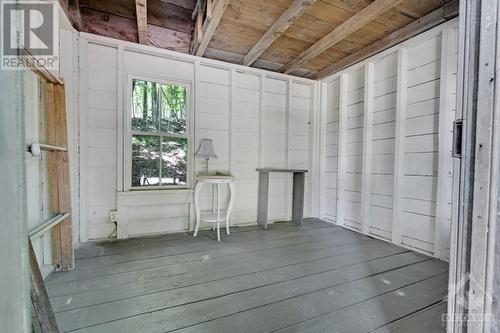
<point>378,310</point>
<point>424,320</point>
<point>289,278</point>
<point>205,263</point>
<point>186,250</point>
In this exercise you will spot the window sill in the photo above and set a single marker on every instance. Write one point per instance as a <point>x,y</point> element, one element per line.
<point>135,191</point>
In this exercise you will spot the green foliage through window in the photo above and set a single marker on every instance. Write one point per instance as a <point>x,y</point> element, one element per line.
<point>158,112</point>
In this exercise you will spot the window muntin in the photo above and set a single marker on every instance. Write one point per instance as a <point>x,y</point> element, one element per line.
<point>159,134</point>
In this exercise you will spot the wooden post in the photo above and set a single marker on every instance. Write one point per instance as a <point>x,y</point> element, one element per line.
<point>367,147</point>
<point>263,199</point>
<point>209,9</point>
<point>445,161</point>
<point>399,145</point>
<point>484,276</point>
<point>298,197</point>
<point>142,21</point>
<point>15,313</point>
<point>322,119</point>
<point>39,297</point>
<point>342,136</point>
<point>60,194</point>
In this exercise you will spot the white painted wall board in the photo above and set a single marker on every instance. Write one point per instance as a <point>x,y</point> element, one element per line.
<point>412,95</point>
<point>243,111</point>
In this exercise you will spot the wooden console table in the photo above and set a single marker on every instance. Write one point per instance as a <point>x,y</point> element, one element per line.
<point>298,194</point>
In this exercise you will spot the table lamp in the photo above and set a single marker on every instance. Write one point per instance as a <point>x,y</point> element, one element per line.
<point>206,150</point>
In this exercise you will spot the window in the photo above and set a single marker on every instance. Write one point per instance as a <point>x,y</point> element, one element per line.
<point>159,134</point>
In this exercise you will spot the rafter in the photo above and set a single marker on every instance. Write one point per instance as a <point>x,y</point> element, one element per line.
<point>435,18</point>
<point>292,13</point>
<point>142,20</point>
<point>353,24</point>
<point>214,15</point>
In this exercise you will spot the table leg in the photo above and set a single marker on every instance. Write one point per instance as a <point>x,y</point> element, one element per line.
<point>230,205</point>
<point>263,199</point>
<point>197,190</point>
<point>218,231</point>
<point>298,197</point>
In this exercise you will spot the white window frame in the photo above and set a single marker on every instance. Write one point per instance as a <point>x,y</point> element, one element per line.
<point>128,132</point>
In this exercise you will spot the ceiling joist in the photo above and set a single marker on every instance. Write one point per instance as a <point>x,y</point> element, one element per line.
<point>215,10</point>
<point>142,20</point>
<point>353,24</point>
<point>435,18</point>
<point>292,13</point>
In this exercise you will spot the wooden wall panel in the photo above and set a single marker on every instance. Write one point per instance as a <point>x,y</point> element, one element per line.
<point>408,169</point>
<point>420,167</point>
<point>331,142</point>
<point>300,136</point>
<point>382,159</point>
<point>245,144</point>
<point>245,112</point>
<point>275,143</point>
<point>353,160</point>
<point>102,128</point>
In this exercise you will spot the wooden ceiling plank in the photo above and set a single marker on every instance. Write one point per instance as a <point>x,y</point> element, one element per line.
<point>296,9</point>
<point>345,29</point>
<point>117,27</point>
<point>210,25</point>
<point>142,20</point>
<point>160,13</point>
<point>438,16</point>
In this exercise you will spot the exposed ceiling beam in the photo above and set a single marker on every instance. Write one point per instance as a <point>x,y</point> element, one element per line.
<point>196,10</point>
<point>353,24</point>
<point>435,18</point>
<point>210,25</point>
<point>74,12</point>
<point>142,20</point>
<point>292,13</point>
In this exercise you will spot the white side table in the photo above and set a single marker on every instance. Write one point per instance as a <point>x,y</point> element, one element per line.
<point>217,214</point>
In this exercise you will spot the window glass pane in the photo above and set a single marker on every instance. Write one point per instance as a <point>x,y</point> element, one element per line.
<point>145,160</point>
<point>145,106</point>
<point>173,109</point>
<point>174,161</point>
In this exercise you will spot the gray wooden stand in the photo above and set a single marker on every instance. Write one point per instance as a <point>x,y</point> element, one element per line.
<point>299,177</point>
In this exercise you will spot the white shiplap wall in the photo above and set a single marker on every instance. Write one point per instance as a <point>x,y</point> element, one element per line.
<point>301,137</point>
<point>246,112</point>
<point>331,150</point>
<point>245,126</point>
<point>352,155</point>
<point>383,146</point>
<point>101,114</point>
<point>421,144</point>
<point>275,143</point>
<point>389,119</point>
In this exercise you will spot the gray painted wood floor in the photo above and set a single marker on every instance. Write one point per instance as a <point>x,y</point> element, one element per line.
<point>311,278</point>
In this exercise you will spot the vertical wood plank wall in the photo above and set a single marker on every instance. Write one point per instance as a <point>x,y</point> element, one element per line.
<point>256,119</point>
<point>387,169</point>
<point>384,146</point>
<point>352,155</point>
<point>331,151</point>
